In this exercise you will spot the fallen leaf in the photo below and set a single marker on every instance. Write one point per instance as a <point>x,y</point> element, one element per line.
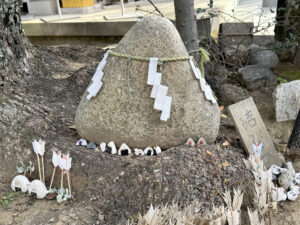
<point>225,164</point>
<point>209,153</point>
<point>224,116</point>
<point>221,108</point>
<point>219,166</point>
<point>72,127</point>
<point>226,143</point>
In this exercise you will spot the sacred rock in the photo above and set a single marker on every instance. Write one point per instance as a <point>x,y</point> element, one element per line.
<point>123,111</point>
<point>286,101</point>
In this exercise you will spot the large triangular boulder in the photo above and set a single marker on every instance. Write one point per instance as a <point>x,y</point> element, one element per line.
<point>123,116</point>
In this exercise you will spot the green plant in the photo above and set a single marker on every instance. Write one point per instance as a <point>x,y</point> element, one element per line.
<point>281,80</point>
<point>24,169</point>
<point>291,43</point>
<point>8,198</point>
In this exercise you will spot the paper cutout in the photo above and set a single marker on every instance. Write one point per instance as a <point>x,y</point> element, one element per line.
<point>156,85</point>
<point>204,87</point>
<point>96,85</point>
<point>152,70</point>
<point>159,92</point>
<point>194,68</point>
<point>257,149</point>
<point>166,111</point>
<point>160,97</point>
<point>94,89</point>
<point>55,158</point>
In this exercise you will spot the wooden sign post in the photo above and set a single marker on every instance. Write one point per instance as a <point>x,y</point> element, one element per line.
<point>253,131</point>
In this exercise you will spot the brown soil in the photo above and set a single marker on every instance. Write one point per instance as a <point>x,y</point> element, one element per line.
<point>109,189</point>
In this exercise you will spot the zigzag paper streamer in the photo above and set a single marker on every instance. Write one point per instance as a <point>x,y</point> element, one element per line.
<point>162,102</point>
<point>204,86</point>
<point>97,83</point>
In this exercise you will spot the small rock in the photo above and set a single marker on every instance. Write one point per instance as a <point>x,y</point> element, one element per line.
<point>263,56</point>
<point>215,74</point>
<point>104,118</point>
<point>286,176</point>
<point>284,96</point>
<point>236,55</point>
<point>229,94</point>
<point>256,76</point>
<point>91,145</point>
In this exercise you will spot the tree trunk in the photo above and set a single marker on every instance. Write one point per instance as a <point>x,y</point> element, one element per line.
<point>12,39</point>
<point>186,23</point>
<point>280,17</point>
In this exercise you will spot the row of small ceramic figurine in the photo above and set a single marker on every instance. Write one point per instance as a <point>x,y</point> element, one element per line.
<point>125,150</point>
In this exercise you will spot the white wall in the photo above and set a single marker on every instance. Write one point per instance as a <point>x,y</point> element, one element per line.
<point>42,7</point>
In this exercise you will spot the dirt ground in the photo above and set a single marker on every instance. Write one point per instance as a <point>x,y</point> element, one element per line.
<point>110,189</point>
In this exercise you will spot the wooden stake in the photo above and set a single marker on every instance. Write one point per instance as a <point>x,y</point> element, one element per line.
<point>62,179</point>
<point>52,177</point>
<point>69,183</point>
<point>43,168</point>
<point>38,159</point>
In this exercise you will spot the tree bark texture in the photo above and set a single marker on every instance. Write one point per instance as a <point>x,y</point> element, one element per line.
<point>12,39</point>
<point>186,23</point>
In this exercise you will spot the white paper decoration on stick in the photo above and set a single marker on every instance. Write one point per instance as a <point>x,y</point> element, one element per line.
<point>96,80</point>
<point>204,87</point>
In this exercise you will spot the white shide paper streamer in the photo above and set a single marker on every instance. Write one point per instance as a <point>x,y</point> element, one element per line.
<point>97,83</point>
<point>162,102</point>
<point>204,87</point>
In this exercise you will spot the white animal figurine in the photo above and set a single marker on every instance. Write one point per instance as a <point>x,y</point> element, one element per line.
<point>156,150</point>
<point>39,188</point>
<point>148,151</point>
<point>138,151</point>
<point>20,182</point>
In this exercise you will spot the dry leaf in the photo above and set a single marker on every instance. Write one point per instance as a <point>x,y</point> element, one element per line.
<point>72,127</point>
<point>226,143</point>
<point>221,108</point>
<point>209,153</point>
<point>225,164</point>
<point>224,116</point>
